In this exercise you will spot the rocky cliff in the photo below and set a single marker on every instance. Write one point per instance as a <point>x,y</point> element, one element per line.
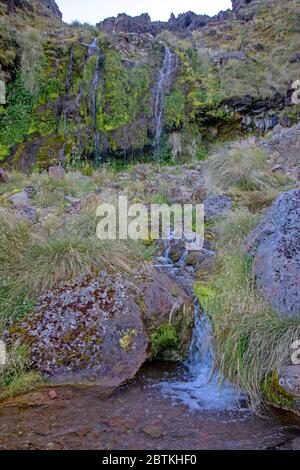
<point>40,7</point>
<point>77,92</point>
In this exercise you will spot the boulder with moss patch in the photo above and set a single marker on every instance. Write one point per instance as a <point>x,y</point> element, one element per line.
<point>96,328</point>
<point>275,247</point>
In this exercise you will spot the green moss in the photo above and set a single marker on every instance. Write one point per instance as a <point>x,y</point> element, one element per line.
<point>174,109</point>
<point>163,338</point>
<point>205,294</point>
<point>15,120</point>
<point>4,151</point>
<point>275,394</point>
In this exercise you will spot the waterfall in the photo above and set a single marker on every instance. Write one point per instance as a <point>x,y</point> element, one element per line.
<point>164,78</point>
<point>93,49</point>
<point>202,387</point>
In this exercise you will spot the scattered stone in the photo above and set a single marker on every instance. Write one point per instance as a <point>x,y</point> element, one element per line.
<point>26,212</point>
<point>202,260</point>
<point>216,206</point>
<point>275,246</point>
<point>74,201</point>
<point>277,129</point>
<point>56,172</point>
<point>276,168</point>
<point>177,250</point>
<point>53,395</point>
<point>294,59</point>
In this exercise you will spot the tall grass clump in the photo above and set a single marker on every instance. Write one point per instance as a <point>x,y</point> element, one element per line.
<point>251,340</point>
<point>244,165</point>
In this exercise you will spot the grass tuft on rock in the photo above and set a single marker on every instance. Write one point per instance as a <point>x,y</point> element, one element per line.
<point>243,165</point>
<point>251,341</point>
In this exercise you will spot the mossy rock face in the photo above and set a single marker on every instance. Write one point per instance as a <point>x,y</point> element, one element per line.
<point>277,395</point>
<point>220,81</point>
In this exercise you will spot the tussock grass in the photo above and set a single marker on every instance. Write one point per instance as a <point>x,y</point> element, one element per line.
<point>15,376</point>
<point>251,340</point>
<point>51,191</point>
<point>244,165</point>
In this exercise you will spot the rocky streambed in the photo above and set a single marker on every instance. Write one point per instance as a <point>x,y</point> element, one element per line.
<point>166,406</point>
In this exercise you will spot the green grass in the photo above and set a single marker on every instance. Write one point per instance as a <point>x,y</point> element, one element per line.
<point>243,165</point>
<point>16,376</point>
<point>252,342</point>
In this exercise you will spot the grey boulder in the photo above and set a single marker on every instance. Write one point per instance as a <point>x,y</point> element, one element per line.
<point>275,246</point>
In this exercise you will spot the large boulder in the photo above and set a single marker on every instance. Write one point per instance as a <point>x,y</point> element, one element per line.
<point>275,246</point>
<point>97,328</point>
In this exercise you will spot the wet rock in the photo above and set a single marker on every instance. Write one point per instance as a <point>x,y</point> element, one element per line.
<point>3,176</point>
<point>53,395</point>
<point>216,206</point>
<point>56,172</point>
<point>275,247</point>
<point>177,250</point>
<point>289,379</point>
<point>20,199</point>
<point>202,260</point>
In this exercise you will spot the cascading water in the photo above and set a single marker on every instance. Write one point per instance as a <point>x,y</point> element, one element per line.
<point>201,387</point>
<point>94,50</point>
<point>164,78</point>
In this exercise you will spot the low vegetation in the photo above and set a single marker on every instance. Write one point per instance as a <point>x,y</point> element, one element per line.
<point>243,165</point>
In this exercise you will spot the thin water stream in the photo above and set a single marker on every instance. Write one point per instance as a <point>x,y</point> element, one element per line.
<point>164,78</point>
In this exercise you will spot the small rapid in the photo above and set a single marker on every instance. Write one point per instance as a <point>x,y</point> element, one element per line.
<point>201,388</point>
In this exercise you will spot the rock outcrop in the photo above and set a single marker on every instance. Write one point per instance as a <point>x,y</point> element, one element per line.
<point>275,246</point>
<point>41,7</point>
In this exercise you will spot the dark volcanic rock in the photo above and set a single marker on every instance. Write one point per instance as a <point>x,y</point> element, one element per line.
<point>242,10</point>
<point>142,24</point>
<point>128,24</point>
<point>275,245</point>
<point>53,7</point>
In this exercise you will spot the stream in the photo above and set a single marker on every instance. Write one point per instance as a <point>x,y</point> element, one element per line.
<point>167,407</point>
